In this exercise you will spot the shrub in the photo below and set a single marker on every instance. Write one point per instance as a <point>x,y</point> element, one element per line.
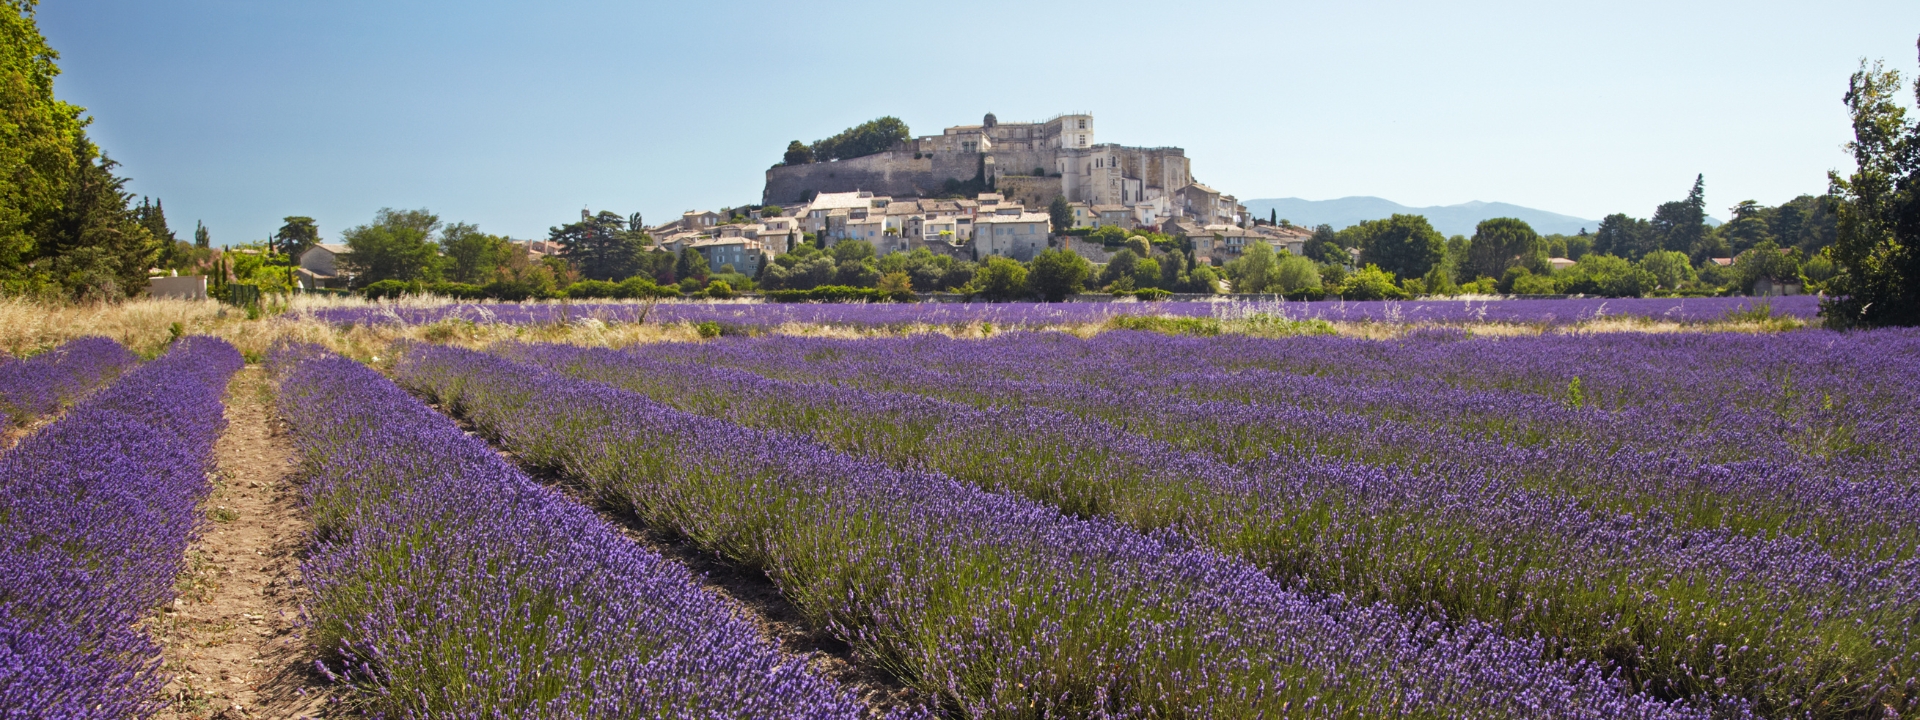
<point>640,287</point>
<point>1531,284</point>
<point>836,293</point>
<point>592,290</point>
<point>390,289</point>
<point>720,290</point>
<point>1371,283</point>
<point>457,290</point>
<point>1152,294</point>
<point>1204,327</point>
<point>510,291</point>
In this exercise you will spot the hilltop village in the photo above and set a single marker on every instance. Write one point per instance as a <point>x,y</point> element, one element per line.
<point>875,212</point>
<point>912,196</point>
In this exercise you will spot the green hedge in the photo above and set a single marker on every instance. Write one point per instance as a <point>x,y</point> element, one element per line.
<point>837,293</point>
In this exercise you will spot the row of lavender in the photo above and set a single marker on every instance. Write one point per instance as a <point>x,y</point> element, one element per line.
<point>1012,315</point>
<point>96,511</point>
<point>1802,433</point>
<point>1001,606</point>
<point>448,584</point>
<point>41,384</point>
<point>1799,621</point>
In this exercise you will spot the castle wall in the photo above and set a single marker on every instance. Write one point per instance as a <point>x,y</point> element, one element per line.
<point>1033,192</point>
<point>921,167</point>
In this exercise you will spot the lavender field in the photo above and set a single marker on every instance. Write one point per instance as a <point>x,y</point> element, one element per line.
<point>1030,524</point>
<point>1720,521</point>
<point>1032,315</point>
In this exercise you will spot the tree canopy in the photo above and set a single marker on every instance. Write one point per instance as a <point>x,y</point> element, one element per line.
<point>66,223</point>
<point>298,234</point>
<point>600,246</point>
<point>1054,274</point>
<point>867,138</point>
<point>1498,244</point>
<point>1402,245</point>
<point>1878,211</point>
<point>397,245</point>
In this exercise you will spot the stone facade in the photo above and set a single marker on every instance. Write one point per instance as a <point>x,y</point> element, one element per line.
<point>1030,162</point>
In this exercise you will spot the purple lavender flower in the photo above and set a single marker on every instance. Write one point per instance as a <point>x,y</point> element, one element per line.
<point>449,584</point>
<point>1349,468</point>
<point>41,384</point>
<point>96,512</point>
<point>1004,607</point>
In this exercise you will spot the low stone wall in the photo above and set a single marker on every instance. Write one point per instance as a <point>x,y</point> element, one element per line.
<point>185,287</point>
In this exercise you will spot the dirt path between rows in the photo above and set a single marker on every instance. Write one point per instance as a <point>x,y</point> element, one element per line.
<point>232,640</point>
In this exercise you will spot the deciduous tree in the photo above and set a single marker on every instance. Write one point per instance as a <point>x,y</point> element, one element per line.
<point>1404,245</point>
<point>1498,244</point>
<point>397,245</point>
<point>1878,209</point>
<point>1054,274</point>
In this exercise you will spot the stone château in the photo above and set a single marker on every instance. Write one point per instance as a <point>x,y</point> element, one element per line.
<point>1028,163</point>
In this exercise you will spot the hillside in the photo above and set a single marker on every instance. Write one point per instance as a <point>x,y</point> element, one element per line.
<point>1449,220</point>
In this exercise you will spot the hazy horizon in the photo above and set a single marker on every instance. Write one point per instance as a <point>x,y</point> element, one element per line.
<point>516,117</point>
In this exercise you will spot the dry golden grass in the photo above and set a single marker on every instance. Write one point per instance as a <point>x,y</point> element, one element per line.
<point>147,326</point>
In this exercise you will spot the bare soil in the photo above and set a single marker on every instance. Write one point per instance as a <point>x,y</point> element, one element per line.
<point>233,639</point>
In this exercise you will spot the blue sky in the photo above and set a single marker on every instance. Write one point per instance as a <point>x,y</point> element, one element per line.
<point>516,115</point>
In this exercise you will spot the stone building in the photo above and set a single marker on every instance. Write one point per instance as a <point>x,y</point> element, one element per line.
<point>1030,163</point>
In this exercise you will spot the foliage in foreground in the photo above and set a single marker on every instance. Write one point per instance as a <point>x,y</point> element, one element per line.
<point>96,511</point>
<point>448,583</point>
<point>1743,529</point>
<point>999,606</point>
<point>1878,251</point>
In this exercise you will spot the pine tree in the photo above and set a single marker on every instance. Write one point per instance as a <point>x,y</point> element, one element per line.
<point>98,247</point>
<point>201,238</point>
<point>298,234</point>
<point>598,246</point>
<point>691,265</point>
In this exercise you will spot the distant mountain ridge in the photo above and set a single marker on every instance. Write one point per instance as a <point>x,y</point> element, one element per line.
<point>1448,219</point>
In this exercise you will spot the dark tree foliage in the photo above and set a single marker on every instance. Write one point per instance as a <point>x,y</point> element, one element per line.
<point>691,264</point>
<point>201,238</point>
<point>1681,226</point>
<point>797,154</point>
<point>39,136</point>
<point>1061,215</point>
<point>152,215</point>
<point>1054,274</point>
<point>1405,245</point>
<point>472,256</point>
<point>1750,226</point>
<point>599,246</point>
<point>95,246</point>
<point>868,138</point>
<point>1878,209</point>
<point>1498,244</point>
<point>1325,247</point>
<point>1624,236</point>
<point>1806,222</point>
<point>296,236</point>
<point>397,245</point>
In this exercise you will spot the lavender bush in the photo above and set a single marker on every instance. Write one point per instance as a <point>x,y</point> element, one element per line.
<point>447,584</point>
<point>41,384</point>
<point>1003,607</point>
<point>1015,315</point>
<point>1662,600</point>
<point>96,512</point>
